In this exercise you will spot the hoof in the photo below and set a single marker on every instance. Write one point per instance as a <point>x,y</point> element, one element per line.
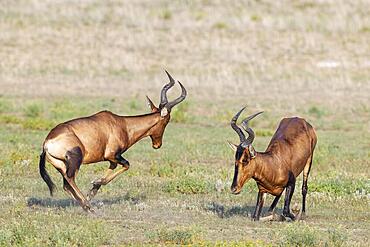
<point>289,216</point>
<point>255,219</point>
<point>88,208</point>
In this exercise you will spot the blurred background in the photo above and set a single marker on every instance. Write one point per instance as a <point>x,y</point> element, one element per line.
<point>65,59</point>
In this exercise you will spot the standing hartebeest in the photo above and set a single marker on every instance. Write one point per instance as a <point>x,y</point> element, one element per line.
<point>289,153</point>
<point>103,136</point>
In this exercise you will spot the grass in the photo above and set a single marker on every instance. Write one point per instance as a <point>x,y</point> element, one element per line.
<point>306,59</point>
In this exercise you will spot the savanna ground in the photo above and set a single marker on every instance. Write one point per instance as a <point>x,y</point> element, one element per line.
<point>63,59</point>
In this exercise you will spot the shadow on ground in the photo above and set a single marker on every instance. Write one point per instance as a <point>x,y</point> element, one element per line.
<point>65,203</point>
<point>224,212</point>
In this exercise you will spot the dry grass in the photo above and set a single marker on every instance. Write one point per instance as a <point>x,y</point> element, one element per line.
<point>290,52</point>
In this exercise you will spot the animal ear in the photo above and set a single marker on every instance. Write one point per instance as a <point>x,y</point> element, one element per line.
<point>232,146</point>
<point>164,112</point>
<point>252,151</point>
<point>151,104</point>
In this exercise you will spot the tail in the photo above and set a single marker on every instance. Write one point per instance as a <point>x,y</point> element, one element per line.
<point>44,174</point>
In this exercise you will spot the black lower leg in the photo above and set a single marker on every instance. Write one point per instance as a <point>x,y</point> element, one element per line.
<point>259,204</point>
<point>274,203</point>
<point>288,196</point>
<point>122,161</point>
<point>304,193</point>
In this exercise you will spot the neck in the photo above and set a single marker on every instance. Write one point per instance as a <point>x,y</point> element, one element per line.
<point>139,127</point>
<point>263,162</point>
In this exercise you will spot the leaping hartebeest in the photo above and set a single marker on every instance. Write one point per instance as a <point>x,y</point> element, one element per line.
<point>103,136</point>
<point>289,153</point>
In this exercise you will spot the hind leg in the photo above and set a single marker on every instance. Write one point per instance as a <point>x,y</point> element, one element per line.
<point>73,161</point>
<point>306,172</point>
<point>69,186</point>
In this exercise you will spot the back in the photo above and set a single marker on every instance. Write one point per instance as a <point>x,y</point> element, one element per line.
<point>294,142</point>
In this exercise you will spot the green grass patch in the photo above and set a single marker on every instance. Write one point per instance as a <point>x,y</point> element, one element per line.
<point>66,230</point>
<point>340,186</point>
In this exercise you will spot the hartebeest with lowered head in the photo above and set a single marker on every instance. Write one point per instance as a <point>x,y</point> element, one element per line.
<point>289,153</point>
<point>103,136</point>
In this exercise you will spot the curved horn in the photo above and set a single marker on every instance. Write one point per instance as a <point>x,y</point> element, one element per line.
<point>236,128</point>
<point>250,132</point>
<point>165,88</point>
<point>179,99</point>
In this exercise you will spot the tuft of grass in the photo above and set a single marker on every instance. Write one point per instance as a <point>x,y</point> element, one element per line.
<point>33,110</point>
<point>256,18</point>
<point>180,113</point>
<point>134,104</point>
<point>188,186</point>
<point>163,170</point>
<point>298,234</point>
<point>166,14</point>
<point>174,236</point>
<point>336,238</point>
<point>220,25</point>
<point>317,112</point>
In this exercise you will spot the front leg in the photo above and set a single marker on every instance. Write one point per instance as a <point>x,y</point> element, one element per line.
<point>109,175</point>
<point>259,204</point>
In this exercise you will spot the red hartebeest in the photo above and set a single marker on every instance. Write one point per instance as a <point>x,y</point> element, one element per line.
<point>289,153</point>
<point>103,136</point>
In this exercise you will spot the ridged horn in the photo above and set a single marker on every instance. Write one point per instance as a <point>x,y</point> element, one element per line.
<point>236,128</point>
<point>165,88</point>
<point>250,132</point>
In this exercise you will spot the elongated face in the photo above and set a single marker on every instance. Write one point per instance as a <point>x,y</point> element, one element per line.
<point>158,131</point>
<point>244,167</point>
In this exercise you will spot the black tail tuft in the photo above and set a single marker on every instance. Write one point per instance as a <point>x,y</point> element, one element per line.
<point>44,174</point>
